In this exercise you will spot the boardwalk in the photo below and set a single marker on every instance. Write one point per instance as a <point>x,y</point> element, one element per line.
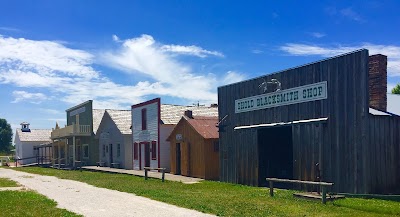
<point>152,174</point>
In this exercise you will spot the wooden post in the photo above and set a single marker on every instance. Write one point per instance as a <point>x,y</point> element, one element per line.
<point>271,188</point>
<point>323,194</point>
<point>163,175</point>
<point>59,154</point>
<point>145,173</point>
<point>73,152</point>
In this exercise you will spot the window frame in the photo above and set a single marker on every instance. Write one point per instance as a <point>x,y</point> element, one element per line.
<point>144,119</point>
<point>154,150</point>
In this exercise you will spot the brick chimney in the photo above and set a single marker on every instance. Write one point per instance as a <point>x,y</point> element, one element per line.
<point>189,114</point>
<point>377,82</point>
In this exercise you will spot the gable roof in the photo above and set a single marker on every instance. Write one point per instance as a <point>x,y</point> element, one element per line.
<point>171,114</point>
<point>205,126</point>
<point>122,119</point>
<point>97,116</point>
<point>35,135</point>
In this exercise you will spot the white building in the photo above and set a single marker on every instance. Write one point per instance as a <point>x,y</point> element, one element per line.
<point>115,138</point>
<point>393,103</point>
<point>152,123</point>
<point>26,139</point>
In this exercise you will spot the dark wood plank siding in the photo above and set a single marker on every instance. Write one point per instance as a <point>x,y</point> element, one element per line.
<point>339,145</point>
<point>384,157</point>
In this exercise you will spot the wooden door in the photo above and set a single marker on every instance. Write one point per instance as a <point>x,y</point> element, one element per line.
<point>178,159</point>
<point>147,154</point>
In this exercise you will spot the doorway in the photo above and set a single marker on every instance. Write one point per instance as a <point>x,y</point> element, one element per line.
<point>178,159</point>
<point>147,154</point>
<point>275,155</point>
<point>111,154</point>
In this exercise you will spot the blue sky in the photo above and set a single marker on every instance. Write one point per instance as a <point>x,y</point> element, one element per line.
<point>56,54</point>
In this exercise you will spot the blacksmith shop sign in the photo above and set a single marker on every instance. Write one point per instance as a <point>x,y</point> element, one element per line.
<point>306,93</point>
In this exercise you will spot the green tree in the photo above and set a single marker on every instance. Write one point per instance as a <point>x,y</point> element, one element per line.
<point>396,89</point>
<point>5,136</point>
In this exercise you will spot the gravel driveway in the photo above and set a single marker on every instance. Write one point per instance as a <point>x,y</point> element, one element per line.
<point>88,200</point>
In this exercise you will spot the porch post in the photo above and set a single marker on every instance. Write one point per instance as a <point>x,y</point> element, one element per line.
<point>59,154</point>
<point>73,151</point>
<point>52,153</point>
<point>66,151</point>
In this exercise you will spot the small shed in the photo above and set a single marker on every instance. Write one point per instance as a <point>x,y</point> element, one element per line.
<point>195,147</point>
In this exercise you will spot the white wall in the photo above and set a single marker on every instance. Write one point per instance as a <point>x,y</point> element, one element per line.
<point>149,135</point>
<point>25,149</point>
<point>165,152</point>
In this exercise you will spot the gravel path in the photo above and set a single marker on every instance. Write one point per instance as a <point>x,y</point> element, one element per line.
<point>88,200</point>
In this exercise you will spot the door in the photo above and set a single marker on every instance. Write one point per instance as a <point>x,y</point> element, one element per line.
<point>178,159</point>
<point>147,154</point>
<point>111,154</point>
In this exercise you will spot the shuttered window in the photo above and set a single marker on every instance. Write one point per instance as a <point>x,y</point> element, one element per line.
<point>144,119</point>
<point>153,150</point>
<point>135,151</point>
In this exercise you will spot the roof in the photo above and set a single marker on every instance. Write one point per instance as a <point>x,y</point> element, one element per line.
<point>373,111</point>
<point>35,135</point>
<point>393,103</point>
<point>205,126</point>
<point>171,114</point>
<point>97,116</point>
<point>122,119</point>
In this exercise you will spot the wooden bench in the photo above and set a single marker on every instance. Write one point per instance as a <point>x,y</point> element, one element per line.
<point>115,165</point>
<point>146,169</point>
<point>100,164</point>
<point>79,164</point>
<point>323,185</point>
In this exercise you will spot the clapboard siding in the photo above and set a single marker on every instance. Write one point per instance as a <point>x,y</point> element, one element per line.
<point>340,145</point>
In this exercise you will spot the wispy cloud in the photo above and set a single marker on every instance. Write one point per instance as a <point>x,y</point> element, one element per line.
<point>391,51</point>
<point>390,87</point>
<point>9,29</point>
<point>256,51</point>
<point>317,34</point>
<point>351,14</point>
<point>35,98</point>
<point>68,74</point>
<point>52,111</point>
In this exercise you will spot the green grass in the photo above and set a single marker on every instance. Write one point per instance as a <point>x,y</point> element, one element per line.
<point>29,203</point>
<point>7,183</point>
<point>226,199</point>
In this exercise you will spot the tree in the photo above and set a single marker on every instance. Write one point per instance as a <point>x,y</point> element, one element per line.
<point>5,136</point>
<point>396,89</point>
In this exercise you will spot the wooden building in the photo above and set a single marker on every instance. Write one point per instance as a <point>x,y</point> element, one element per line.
<point>76,143</point>
<point>322,121</point>
<point>194,147</point>
<point>152,123</point>
<point>115,139</point>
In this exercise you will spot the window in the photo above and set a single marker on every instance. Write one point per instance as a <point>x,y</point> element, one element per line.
<point>104,150</point>
<point>118,150</point>
<point>135,151</point>
<point>144,119</point>
<point>216,146</point>
<point>153,150</point>
<point>85,151</point>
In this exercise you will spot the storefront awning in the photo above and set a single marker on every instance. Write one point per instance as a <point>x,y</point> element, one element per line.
<point>280,123</point>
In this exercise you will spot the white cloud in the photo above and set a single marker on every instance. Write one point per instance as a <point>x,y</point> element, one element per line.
<point>68,75</point>
<point>391,51</point>
<point>9,29</point>
<point>317,34</point>
<point>390,86</point>
<point>233,77</point>
<point>35,98</point>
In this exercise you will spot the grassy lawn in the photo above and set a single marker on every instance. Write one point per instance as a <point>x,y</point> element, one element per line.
<point>29,203</point>
<point>226,199</point>
<point>7,183</point>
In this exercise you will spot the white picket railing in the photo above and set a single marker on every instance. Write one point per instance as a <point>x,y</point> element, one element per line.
<point>71,130</point>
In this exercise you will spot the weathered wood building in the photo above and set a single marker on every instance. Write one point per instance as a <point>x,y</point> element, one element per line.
<point>324,119</point>
<point>194,147</point>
